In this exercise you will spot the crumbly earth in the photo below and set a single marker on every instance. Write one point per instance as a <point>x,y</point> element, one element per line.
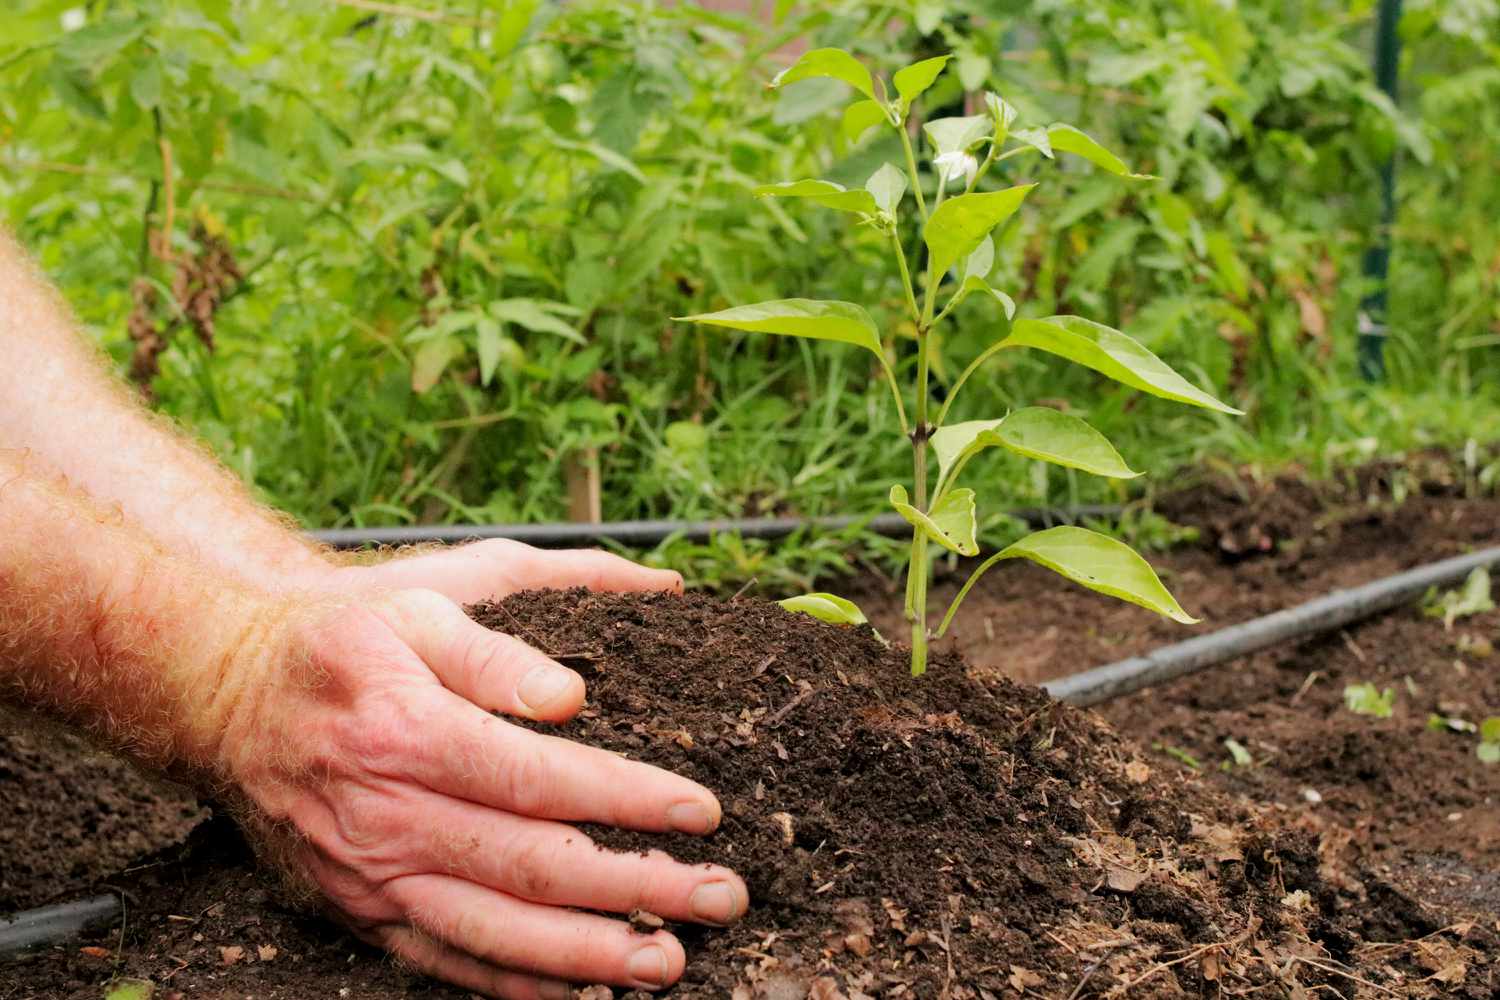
<point>961,836</point>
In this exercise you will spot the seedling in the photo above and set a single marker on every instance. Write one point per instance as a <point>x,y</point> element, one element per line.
<point>1367,699</point>
<point>1471,599</point>
<point>956,232</point>
<point>1489,740</point>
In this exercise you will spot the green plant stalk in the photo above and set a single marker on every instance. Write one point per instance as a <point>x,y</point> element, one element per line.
<point>919,572</point>
<point>911,168</point>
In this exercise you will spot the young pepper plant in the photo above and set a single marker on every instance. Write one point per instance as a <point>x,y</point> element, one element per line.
<point>955,230</point>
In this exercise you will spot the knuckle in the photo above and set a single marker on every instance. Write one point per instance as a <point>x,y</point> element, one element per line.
<point>533,865</point>
<point>378,735</point>
<point>526,780</point>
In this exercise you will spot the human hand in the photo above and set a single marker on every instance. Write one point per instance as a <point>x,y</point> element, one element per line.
<point>372,770</point>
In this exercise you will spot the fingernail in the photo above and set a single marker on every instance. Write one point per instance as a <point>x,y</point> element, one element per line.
<point>542,687</point>
<point>554,991</point>
<point>690,817</point>
<point>648,967</point>
<point>714,903</point>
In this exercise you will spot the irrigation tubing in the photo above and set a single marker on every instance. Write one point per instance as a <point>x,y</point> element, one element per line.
<point>1329,612</point>
<point>654,532</point>
<point>50,924</point>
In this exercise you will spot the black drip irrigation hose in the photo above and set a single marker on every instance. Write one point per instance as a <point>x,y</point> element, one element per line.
<point>1324,614</point>
<point>50,924</point>
<point>641,533</point>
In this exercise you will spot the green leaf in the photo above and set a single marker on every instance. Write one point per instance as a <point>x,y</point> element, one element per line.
<point>1068,139</point>
<point>1488,753</point>
<point>1094,560</point>
<point>1238,752</point>
<point>1036,138</point>
<point>145,85</point>
<point>955,135</point>
<point>431,360</point>
<point>534,315</point>
<point>973,283</point>
<point>1489,729</point>
<point>957,226</point>
<point>860,117</point>
<point>951,522</point>
<point>914,79</point>
<point>826,607</point>
<point>1366,699</point>
<point>888,186</point>
<point>825,193</point>
<point>834,63</point>
<point>1002,114</point>
<point>813,318</point>
<point>1471,599</point>
<point>494,347</point>
<point>1034,432</point>
<point>1112,353</point>
<point>981,262</point>
<point>129,989</point>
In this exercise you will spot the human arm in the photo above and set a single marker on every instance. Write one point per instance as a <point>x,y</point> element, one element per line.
<point>343,712</point>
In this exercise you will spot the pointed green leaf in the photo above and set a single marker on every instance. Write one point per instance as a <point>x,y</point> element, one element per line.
<point>835,63</point>
<point>494,348</point>
<point>959,224</point>
<point>1489,729</point>
<point>1034,137</point>
<point>826,607</point>
<point>817,319</point>
<point>914,79</point>
<point>954,135</point>
<point>1112,353</point>
<point>860,117</point>
<point>1001,113</point>
<point>825,193</point>
<point>982,261</point>
<point>951,522</point>
<point>1099,563</point>
<point>431,360</point>
<point>973,283</point>
<point>534,315</point>
<point>888,186</point>
<point>1068,139</point>
<point>1035,432</point>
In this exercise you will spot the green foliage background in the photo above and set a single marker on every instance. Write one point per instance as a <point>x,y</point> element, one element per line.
<point>462,235</point>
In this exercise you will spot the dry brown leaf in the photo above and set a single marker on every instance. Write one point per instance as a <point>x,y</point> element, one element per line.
<point>267,952</point>
<point>94,951</point>
<point>1022,978</point>
<point>230,954</point>
<point>1124,879</point>
<point>1138,771</point>
<point>824,988</point>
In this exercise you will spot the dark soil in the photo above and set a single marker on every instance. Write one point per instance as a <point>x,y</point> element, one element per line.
<point>960,837</point>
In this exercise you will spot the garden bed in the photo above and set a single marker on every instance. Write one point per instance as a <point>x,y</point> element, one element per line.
<point>957,836</point>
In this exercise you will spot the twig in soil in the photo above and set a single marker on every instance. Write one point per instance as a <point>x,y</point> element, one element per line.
<point>1347,975</point>
<point>1359,654</point>
<point>740,593</point>
<point>1312,679</point>
<point>948,951</point>
<point>1163,967</point>
<point>763,665</point>
<point>781,713</point>
<point>1078,990</point>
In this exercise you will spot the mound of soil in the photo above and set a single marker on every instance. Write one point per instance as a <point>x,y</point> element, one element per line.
<point>958,837</point>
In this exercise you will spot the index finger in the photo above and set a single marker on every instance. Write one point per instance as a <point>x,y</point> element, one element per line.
<point>481,758</point>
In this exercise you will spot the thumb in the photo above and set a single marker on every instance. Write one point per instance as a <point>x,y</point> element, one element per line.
<point>496,672</point>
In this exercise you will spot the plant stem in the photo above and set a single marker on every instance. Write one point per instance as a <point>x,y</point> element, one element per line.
<point>911,168</point>
<point>911,293</point>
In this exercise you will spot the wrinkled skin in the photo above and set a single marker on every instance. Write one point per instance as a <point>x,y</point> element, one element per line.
<point>375,772</point>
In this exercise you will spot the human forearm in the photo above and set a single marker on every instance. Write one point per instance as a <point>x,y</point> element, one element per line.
<point>58,401</point>
<point>102,628</point>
